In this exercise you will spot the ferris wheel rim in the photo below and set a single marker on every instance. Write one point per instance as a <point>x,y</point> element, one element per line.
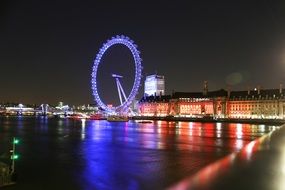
<point>126,41</point>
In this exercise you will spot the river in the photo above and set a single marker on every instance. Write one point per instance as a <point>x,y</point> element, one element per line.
<point>90,154</point>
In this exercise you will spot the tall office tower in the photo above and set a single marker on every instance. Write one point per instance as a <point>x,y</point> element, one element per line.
<point>154,85</point>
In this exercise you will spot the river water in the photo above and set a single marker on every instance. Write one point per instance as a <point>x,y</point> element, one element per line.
<point>89,154</point>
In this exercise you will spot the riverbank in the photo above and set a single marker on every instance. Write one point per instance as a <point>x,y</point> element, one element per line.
<point>211,119</point>
<point>194,119</point>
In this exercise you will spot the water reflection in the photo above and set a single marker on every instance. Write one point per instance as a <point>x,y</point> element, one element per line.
<point>218,130</point>
<point>122,155</point>
<point>83,123</point>
<point>231,168</point>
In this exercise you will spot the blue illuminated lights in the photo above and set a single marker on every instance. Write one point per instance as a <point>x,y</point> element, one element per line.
<point>124,40</point>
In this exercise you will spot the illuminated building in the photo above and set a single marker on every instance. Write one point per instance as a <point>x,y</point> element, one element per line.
<point>184,104</point>
<point>154,85</point>
<point>269,103</point>
<point>155,106</point>
<point>258,103</point>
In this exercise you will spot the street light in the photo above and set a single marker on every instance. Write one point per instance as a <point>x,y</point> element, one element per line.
<point>15,141</point>
<point>14,156</point>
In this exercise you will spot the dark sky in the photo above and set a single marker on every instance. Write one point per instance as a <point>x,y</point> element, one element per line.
<point>47,48</point>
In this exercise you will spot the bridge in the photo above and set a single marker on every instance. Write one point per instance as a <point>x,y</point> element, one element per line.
<point>43,109</point>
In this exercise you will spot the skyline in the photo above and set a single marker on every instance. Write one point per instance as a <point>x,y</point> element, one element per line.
<point>47,48</point>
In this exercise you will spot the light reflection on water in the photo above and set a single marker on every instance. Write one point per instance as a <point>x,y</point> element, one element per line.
<point>118,155</point>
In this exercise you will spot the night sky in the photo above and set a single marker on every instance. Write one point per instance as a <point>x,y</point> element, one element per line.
<point>47,48</point>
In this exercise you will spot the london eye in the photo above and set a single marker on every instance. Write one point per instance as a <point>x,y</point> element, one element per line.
<point>125,100</point>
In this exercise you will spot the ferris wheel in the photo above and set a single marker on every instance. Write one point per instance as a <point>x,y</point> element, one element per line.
<point>125,101</point>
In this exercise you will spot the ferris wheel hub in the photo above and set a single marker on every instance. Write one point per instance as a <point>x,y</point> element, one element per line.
<point>117,76</point>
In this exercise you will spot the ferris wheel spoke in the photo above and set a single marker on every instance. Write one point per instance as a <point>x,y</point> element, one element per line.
<point>122,90</point>
<point>119,91</point>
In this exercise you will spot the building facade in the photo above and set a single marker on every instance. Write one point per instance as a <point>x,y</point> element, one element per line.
<point>154,85</point>
<point>255,104</point>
